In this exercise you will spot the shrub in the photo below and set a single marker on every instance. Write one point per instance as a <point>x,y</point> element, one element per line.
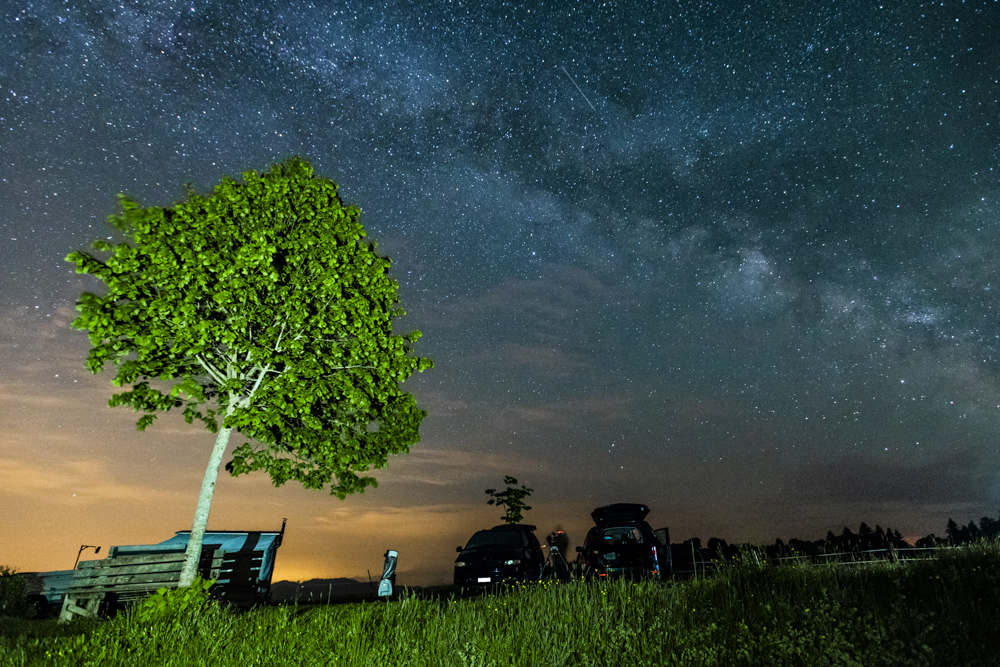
<point>13,592</point>
<point>169,604</point>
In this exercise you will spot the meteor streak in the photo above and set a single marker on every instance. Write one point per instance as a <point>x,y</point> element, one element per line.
<point>578,88</point>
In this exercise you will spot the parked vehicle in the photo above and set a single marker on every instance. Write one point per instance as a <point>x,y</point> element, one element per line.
<point>502,554</point>
<point>622,544</point>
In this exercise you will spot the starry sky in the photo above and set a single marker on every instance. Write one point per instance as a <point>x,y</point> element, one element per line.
<point>732,260</point>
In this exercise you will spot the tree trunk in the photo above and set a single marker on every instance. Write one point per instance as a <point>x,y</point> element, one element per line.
<point>193,553</point>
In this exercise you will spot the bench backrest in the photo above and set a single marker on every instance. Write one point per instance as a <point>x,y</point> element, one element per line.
<point>137,574</point>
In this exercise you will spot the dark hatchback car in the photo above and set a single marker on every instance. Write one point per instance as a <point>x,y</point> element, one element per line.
<point>622,544</point>
<point>502,554</point>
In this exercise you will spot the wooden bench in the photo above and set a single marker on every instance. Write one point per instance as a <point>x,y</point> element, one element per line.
<point>129,578</point>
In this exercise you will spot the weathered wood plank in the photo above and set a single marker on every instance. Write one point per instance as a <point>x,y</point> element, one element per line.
<point>113,584</point>
<point>150,586</point>
<point>143,559</point>
<point>86,577</point>
<point>123,571</point>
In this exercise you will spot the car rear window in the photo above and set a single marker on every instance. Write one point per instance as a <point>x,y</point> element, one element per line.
<point>488,538</point>
<point>621,535</point>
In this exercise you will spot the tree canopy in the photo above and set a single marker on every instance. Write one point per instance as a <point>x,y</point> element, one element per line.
<point>264,307</point>
<point>512,499</point>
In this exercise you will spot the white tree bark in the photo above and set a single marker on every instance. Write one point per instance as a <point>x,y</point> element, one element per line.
<point>193,553</point>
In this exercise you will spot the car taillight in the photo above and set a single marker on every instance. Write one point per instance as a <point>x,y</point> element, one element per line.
<point>656,563</point>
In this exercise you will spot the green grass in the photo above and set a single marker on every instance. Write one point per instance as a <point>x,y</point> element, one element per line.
<point>940,612</point>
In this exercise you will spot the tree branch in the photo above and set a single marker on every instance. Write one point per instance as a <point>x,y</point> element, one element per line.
<point>277,343</point>
<point>211,370</point>
<point>260,377</point>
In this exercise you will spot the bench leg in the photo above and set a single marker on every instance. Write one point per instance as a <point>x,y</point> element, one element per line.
<point>70,608</point>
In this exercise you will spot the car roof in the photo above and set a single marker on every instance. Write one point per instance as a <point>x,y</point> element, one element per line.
<point>621,513</point>
<point>524,527</point>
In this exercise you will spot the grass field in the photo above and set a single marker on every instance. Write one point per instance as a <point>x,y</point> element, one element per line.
<point>944,611</point>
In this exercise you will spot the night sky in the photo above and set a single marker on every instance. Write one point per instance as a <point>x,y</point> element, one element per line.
<point>732,260</point>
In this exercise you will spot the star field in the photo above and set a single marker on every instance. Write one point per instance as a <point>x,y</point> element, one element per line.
<point>732,260</point>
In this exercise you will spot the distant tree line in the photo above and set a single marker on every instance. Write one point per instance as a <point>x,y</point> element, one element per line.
<point>866,539</point>
<point>988,528</point>
<point>848,542</point>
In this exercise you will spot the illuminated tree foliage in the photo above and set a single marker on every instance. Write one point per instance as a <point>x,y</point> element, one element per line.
<point>263,307</point>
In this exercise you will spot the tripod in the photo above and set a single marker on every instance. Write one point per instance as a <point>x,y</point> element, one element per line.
<point>556,564</point>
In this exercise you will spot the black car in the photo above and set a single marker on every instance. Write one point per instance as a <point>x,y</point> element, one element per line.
<point>622,544</point>
<point>502,554</point>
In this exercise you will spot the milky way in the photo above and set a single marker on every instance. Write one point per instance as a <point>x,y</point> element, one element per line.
<point>732,260</point>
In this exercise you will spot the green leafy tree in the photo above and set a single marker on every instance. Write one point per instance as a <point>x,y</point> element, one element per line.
<point>263,309</point>
<point>512,499</point>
